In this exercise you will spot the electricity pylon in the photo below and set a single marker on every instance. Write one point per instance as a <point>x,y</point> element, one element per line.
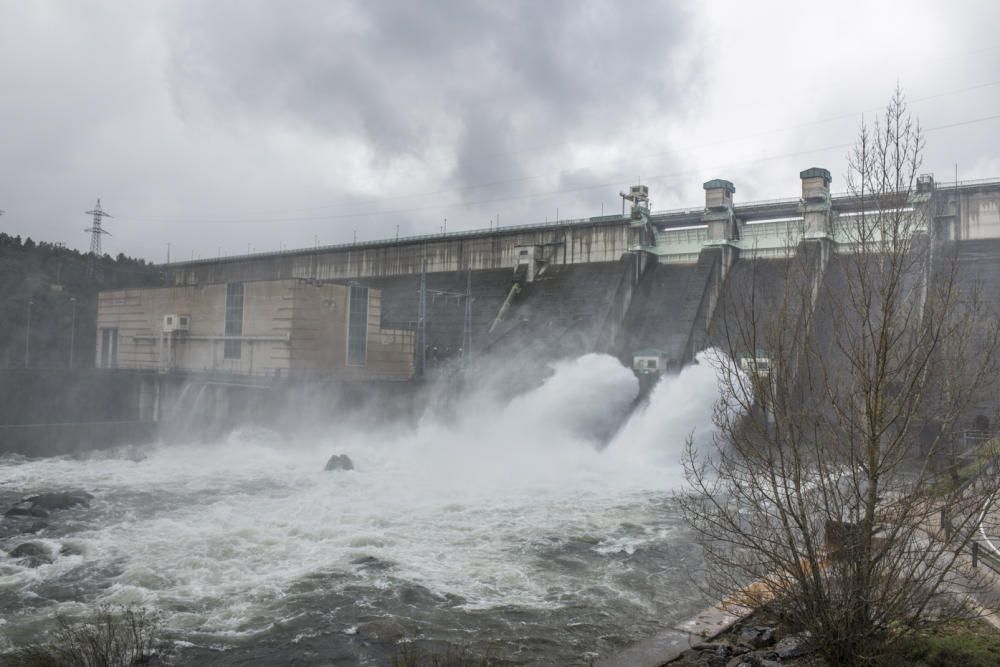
<point>95,239</point>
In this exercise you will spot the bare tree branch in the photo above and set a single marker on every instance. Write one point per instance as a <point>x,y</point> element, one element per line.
<point>823,482</point>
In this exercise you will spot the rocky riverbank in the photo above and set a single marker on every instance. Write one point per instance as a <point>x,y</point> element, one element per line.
<point>760,640</point>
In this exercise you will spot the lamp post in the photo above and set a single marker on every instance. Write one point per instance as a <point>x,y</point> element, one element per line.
<point>27,337</point>
<point>72,330</point>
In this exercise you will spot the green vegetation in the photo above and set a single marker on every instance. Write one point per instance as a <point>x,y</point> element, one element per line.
<point>983,457</point>
<point>55,281</point>
<point>979,460</point>
<point>973,644</point>
<point>121,637</point>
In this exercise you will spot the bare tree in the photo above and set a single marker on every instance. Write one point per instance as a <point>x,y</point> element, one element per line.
<point>845,368</point>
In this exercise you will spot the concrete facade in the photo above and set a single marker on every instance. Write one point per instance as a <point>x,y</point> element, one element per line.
<point>970,213</point>
<point>958,211</point>
<point>289,329</point>
<point>570,242</point>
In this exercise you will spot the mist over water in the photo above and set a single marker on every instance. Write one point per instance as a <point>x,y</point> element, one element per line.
<point>515,528</point>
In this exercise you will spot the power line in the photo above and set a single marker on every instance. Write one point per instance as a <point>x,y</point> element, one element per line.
<point>537,195</point>
<point>960,123</point>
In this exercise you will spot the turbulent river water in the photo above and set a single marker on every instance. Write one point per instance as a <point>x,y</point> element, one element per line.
<point>510,529</point>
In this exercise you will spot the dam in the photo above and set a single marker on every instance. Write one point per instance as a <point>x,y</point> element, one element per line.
<point>279,337</point>
<point>401,309</point>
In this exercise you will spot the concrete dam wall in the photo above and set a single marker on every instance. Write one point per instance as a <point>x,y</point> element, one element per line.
<point>662,284</point>
<point>642,281</point>
<point>52,411</point>
<point>584,241</point>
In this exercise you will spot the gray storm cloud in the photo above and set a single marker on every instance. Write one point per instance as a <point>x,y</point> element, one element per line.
<point>492,78</point>
<point>226,125</point>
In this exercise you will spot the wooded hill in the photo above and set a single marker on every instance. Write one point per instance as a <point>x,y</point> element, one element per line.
<point>55,281</point>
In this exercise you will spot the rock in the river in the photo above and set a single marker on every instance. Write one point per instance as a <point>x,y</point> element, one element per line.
<point>70,549</point>
<point>381,631</point>
<point>339,462</point>
<point>60,501</point>
<point>27,516</point>
<point>44,504</point>
<point>18,525</point>
<point>32,553</point>
<point>26,508</point>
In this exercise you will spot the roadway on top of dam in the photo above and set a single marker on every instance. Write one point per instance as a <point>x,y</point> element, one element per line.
<point>752,211</point>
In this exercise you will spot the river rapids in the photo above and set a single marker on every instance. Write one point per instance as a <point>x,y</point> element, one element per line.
<point>510,529</point>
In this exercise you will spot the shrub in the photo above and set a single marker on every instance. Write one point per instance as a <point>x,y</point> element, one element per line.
<point>111,637</point>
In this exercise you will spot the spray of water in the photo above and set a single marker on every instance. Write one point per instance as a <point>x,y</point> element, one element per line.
<point>216,536</point>
<point>680,406</point>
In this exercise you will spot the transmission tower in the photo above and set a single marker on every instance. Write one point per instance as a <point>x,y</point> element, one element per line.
<point>95,239</point>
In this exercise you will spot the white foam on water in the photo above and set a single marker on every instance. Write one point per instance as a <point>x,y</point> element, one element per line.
<point>213,533</point>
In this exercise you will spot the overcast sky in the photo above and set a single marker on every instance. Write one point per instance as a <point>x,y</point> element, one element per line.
<point>217,126</point>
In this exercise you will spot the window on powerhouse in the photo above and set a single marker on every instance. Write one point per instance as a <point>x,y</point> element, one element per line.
<point>357,326</point>
<point>109,348</point>
<point>233,349</point>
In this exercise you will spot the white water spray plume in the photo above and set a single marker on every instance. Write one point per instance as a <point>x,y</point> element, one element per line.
<point>502,515</point>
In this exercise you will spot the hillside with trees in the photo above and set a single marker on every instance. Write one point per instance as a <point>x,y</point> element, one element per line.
<point>48,300</point>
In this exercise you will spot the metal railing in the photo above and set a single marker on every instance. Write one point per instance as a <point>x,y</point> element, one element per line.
<point>946,185</point>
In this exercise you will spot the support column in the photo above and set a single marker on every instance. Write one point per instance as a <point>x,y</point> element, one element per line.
<point>718,213</point>
<point>815,203</point>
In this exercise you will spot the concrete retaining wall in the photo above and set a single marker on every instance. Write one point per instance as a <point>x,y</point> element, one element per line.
<point>43,396</point>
